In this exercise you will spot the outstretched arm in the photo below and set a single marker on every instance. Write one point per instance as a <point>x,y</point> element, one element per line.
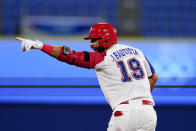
<point>62,53</point>
<point>65,54</point>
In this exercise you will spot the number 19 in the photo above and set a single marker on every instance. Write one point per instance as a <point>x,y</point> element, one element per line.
<point>135,67</point>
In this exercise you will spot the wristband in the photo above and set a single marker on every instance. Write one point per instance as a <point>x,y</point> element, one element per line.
<point>66,50</point>
<point>47,49</point>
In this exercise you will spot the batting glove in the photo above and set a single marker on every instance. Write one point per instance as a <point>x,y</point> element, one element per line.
<point>28,44</point>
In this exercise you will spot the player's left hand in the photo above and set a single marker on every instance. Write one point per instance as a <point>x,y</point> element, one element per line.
<point>28,44</point>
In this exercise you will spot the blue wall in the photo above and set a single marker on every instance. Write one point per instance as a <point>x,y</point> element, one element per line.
<point>84,118</point>
<point>174,62</point>
<point>85,109</point>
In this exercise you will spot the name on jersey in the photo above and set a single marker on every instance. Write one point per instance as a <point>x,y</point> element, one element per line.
<point>123,52</point>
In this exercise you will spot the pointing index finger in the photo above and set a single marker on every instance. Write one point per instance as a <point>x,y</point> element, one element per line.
<point>19,38</point>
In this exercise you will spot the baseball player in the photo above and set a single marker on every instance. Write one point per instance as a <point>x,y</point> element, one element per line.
<point>125,75</point>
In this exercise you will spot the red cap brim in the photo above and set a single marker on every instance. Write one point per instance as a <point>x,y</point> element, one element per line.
<point>91,37</point>
<point>87,38</point>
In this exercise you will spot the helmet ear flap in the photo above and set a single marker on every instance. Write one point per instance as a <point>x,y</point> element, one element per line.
<point>104,42</point>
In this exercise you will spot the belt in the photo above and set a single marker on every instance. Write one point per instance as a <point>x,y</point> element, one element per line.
<point>144,102</point>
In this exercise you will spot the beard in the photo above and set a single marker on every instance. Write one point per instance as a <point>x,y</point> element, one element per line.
<point>98,49</point>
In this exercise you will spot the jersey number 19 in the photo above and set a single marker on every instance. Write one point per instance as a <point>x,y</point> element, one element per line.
<point>135,67</point>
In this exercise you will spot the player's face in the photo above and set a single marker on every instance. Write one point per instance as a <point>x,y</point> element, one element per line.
<point>94,43</point>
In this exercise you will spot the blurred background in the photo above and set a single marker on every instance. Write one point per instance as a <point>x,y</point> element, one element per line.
<point>38,92</point>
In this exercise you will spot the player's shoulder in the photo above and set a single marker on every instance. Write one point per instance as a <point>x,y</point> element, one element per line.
<point>96,57</point>
<point>130,46</point>
<point>125,46</point>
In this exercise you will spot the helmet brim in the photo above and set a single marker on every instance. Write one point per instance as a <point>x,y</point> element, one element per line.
<point>87,38</point>
<point>91,37</point>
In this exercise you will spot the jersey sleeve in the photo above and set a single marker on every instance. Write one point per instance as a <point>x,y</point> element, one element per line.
<point>96,58</point>
<point>82,59</point>
<point>79,59</point>
<point>149,68</point>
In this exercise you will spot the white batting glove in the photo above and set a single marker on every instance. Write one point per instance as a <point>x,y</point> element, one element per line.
<point>28,44</point>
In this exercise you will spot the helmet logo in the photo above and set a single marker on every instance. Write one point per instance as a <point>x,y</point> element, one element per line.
<point>90,30</point>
